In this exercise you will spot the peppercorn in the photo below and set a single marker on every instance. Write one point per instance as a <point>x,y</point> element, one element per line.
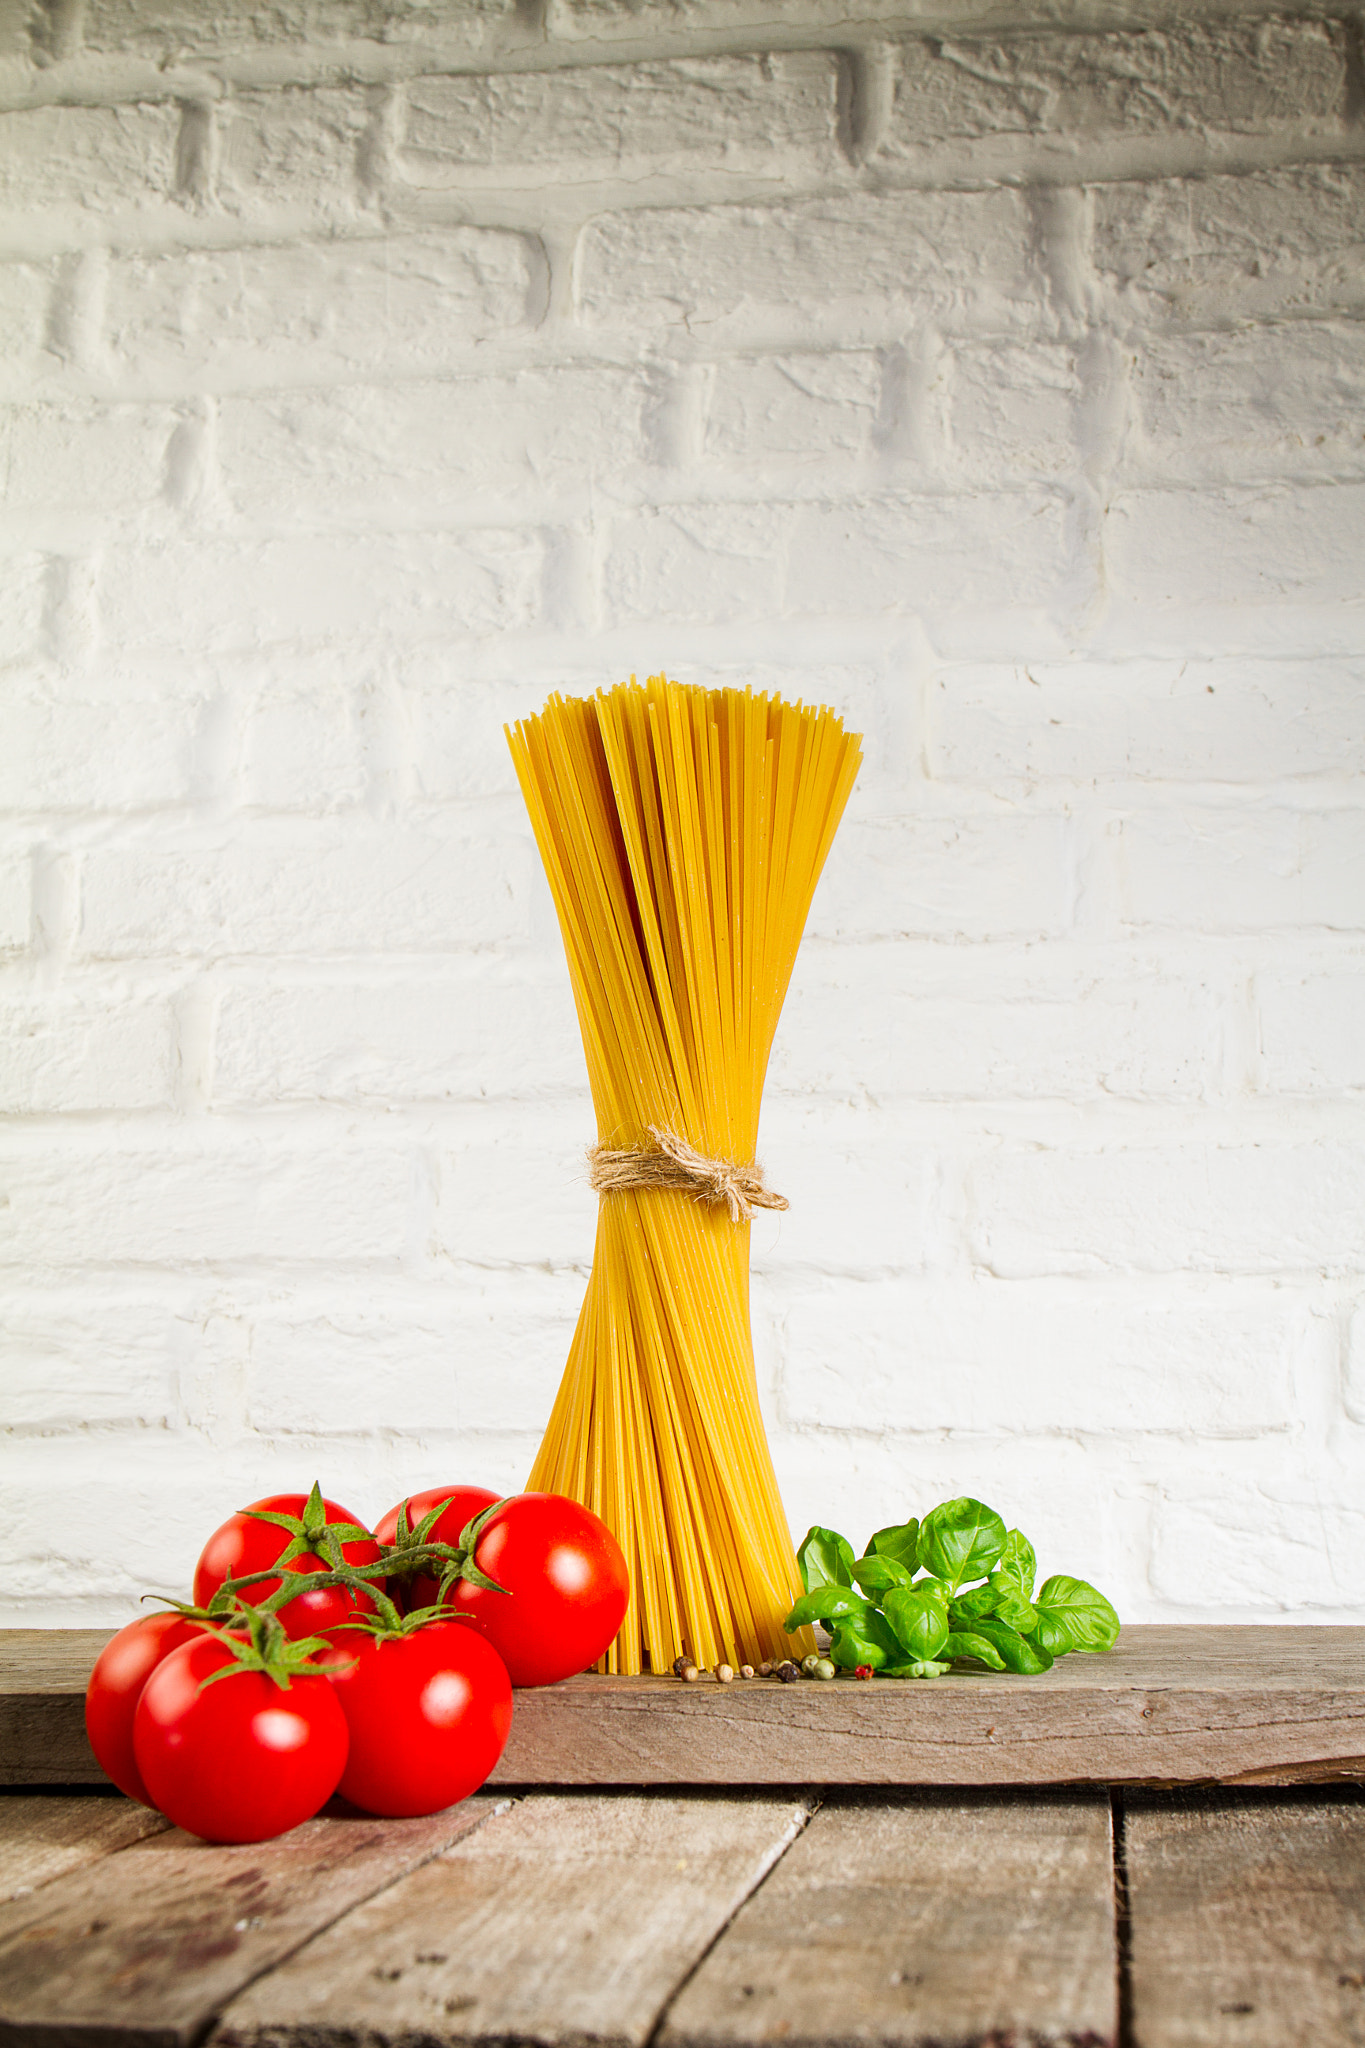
<point>823,1668</point>
<point>746,1670</point>
<point>765,1670</point>
<point>863,1671</point>
<point>808,1665</point>
<point>724,1674</point>
<point>788,1672</point>
<point>690,1673</point>
<point>680,1665</point>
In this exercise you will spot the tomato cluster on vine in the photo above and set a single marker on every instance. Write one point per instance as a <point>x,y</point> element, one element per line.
<point>322,1658</point>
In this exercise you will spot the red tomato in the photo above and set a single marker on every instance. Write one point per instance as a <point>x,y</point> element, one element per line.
<point>465,1503</point>
<point>121,1670</point>
<point>566,1583</point>
<point>242,1546</point>
<point>428,1713</point>
<point>241,1759</point>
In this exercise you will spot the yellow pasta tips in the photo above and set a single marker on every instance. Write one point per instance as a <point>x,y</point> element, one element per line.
<point>683,831</point>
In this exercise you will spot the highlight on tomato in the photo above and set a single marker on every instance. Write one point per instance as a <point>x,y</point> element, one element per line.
<point>239,1736</point>
<point>290,1533</point>
<point>428,1704</point>
<point>121,1670</point>
<point>542,1578</point>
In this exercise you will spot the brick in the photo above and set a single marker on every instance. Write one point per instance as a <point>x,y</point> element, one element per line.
<point>958,258</point>
<point>627,20</point>
<point>49,1344</point>
<point>68,754</point>
<point>870,556</point>
<point>99,1201</point>
<point>1177,721</point>
<point>1243,79</point>
<point>936,556</point>
<point>16,899</point>
<point>863,1198</point>
<point>305,750</point>
<point>483,1215</point>
<point>457,442</point>
<point>104,158</point>
<point>175,31</point>
<point>1266,545</point>
<point>1210,251</point>
<point>1012,412</point>
<point>1261,870</point>
<point>1225,1208</point>
<point>1354,1387</point>
<point>894,1027</point>
<point>439,1038</point>
<point>944,878</point>
<point>295,147</point>
<point>25,294</point>
<point>485,1356</point>
<point>324,891</point>
<point>459,747</point>
<point>23,604</point>
<point>1311,1030</point>
<point>1276,1543</point>
<point>406,302</point>
<point>1275,401</point>
<point>802,405</point>
<point>734,113</point>
<point>83,458</point>
<point>217,596</point>
<point>1030,1360</point>
<point>67,1054</point>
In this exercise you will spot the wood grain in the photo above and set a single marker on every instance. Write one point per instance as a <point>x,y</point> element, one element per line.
<point>951,1920</point>
<point>1167,1706</point>
<point>1248,1924</point>
<point>568,1920</point>
<point>147,1947</point>
<point>44,1838</point>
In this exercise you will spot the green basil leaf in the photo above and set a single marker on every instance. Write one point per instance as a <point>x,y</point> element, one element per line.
<point>880,1574</point>
<point>865,1640</point>
<point>960,1540</point>
<point>825,1558</point>
<point>1073,1616</point>
<point>1012,1608</point>
<point>919,1615</point>
<point>967,1607</point>
<point>1028,1658</point>
<point>1017,1563</point>
<point>922,1667</point>
<point>826,1603</point>
<point>899,1541</point>
<point>966,1643</point>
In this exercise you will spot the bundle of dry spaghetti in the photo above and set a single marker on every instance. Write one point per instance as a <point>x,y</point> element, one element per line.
<point>683,832</point>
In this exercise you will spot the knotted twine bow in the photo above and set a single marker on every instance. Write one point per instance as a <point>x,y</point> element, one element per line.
<point>679,1165</point>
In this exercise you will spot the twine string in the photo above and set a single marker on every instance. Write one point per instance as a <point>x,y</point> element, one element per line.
<point>680,1166</point>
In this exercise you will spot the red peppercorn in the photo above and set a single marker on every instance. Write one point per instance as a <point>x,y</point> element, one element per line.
<point>863,1671</point>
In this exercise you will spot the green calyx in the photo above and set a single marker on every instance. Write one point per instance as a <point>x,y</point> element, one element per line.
<point>412,1551</point>
<point>311,1534</point>
<point>909,1607</point>
<point>266,1649</point>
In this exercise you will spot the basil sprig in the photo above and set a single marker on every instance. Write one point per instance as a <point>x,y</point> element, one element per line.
<point>957,1587</point>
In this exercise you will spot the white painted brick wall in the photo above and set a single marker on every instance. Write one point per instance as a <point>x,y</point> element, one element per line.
<point>996,375</point>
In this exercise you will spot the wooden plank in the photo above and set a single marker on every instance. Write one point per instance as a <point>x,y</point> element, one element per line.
<point>146,1947</point>
<point>1167,1706</point>
<point>925,1919</point>
<point>571,1919</point>
<point>42,1838</point>
<point>1247,1921</point>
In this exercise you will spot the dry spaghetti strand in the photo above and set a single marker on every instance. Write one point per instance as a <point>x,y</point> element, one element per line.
<point>683,832</point>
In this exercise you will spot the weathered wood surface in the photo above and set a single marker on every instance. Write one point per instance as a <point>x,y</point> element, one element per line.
<point>1167,1706</point>
<point>932,1918</point>
<point>147,1946</point>
<point>44,1838</point>
<point>1247,1924</point>
<point>569,1919</point>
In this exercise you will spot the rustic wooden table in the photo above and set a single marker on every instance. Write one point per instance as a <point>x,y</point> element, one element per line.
<point>871,1901</point>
